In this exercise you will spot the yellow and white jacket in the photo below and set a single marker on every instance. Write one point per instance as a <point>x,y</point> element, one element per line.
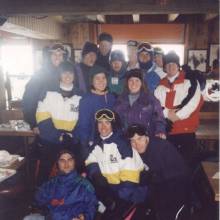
<point>56,114</point>
<point>119,164</point>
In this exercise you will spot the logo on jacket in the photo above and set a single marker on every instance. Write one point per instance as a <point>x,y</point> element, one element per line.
<point>74,108</point>
<point>113,159</point>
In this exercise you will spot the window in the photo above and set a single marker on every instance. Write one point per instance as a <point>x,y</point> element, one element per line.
<point>178,48</point>
<point>17,63</point>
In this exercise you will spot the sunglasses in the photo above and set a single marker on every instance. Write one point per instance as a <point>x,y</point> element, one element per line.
<point>136,129</point>
<point>104,113</point>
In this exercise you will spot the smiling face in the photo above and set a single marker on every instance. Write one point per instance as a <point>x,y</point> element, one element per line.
<point>56,58</point>
<point>171,69</point>
<point>66,163</point>
<point>89,59</point>
<point>105,47</point>
<point>99,82</point>
<point>67,78</point>
<point>104,127</point>
<point>134,85</point>
<point>140,143</point>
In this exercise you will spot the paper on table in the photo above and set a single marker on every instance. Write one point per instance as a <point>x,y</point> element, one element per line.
<point>216,176</point>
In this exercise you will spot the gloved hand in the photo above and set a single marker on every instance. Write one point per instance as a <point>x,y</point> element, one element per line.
<point>103,191</point>
<point>67,140</point>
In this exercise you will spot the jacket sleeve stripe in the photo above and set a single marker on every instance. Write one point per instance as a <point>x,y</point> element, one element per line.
<point>130,175</point>
<point>64,125</point>
<point>42,116</point>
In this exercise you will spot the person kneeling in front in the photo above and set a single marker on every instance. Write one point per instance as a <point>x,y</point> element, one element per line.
<point>166,173</point>
<point>114,169</point>
<point>68,196</point>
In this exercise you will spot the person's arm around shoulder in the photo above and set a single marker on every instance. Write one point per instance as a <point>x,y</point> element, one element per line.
<point>191,106</point>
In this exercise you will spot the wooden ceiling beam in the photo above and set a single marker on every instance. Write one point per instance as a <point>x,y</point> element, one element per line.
<point>113,7</point>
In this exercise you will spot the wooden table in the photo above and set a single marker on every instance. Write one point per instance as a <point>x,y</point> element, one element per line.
<point>208,131</point>
<point>25,135</point>
<point>210,169</point>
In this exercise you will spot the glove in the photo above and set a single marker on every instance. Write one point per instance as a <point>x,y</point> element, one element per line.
<point>103,192</point>
<point>67,140</point>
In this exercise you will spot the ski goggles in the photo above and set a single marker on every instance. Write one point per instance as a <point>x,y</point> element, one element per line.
<point>104,114</point>
<point>136,129</point>
<point>145,48</point>
<point>58,48</point>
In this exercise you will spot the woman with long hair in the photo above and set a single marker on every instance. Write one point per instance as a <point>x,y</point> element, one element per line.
<point>138,105</point>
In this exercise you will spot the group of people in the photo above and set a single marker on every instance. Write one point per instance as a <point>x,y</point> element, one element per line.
<point>109,119</point>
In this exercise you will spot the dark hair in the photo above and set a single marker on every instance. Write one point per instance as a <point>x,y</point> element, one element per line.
<point>135,73</point>
<point>89,47</point>
<point>136,129</point>
<point>66,66</point>
<point>94,71</point>
<point>105,36</point>
<point>116,124</point>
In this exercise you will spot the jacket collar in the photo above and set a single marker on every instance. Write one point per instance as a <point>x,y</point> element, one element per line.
<point>180,79</point>
<point>112,138</point>
<point>142,99</point>
<point>62,177</point>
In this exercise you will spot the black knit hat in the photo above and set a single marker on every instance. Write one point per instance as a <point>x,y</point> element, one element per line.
<point>171,57</point>
<point>65,151</point>
<point>136,129</point>
<point>117,55</point>
<point>89,47</point>
<point>96,70</point>
<point>135,73</point>
<point>105,36</point>
<point>66,66</point>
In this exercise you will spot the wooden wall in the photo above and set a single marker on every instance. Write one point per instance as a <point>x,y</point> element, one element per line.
<point>154,33</point>
<point>200,34</point>
<point>197,34</point>
<point>79,33</point>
